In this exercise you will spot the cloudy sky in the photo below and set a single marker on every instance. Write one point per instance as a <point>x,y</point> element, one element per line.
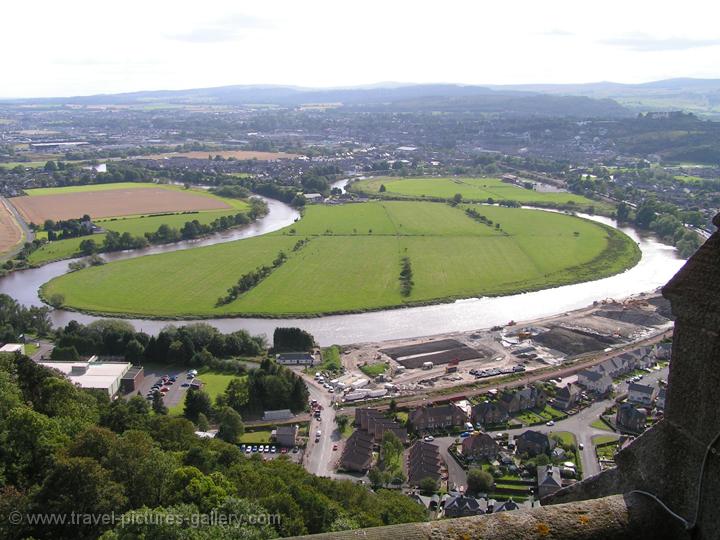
<point>78,47</point>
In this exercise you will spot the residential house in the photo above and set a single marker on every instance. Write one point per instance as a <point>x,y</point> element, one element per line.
<point>548,480</point>
<point>567,397</point>
<point>507,506</point>
<point>660,401</point>
<point>595,380</point>
<point>357,455</point>
<point>480,446</point>
<point>377,424</point>
<point>523,399</point>
<point>286,435</point>
<point>489,413</point>
<point>438,416</point>
<point>641,394</point>
<point>629,418</point>
<point>277,415</point>
<point>462,506</point>
<point>663,351</point>
<point>424,461</point>
<point>533,443</point>
<point>295,359</point>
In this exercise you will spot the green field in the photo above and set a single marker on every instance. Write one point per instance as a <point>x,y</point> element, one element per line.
<point>352,263</point>
<point>135,225</point>
<point>472,189</point>
<point>26,164</point>
<point>214,383</point>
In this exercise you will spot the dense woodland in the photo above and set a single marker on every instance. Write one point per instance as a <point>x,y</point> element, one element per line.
<point>65,450</point>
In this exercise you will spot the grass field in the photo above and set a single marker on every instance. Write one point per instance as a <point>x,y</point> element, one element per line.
<point>214,383</point>
<point>26,164</point>
<point>133,224</point>
<point>472,189</point>
<point>347,268</point>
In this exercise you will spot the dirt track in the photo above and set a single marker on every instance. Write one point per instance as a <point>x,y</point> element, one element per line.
<point>111,203</point>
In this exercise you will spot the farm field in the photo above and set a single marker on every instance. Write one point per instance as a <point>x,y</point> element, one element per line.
<point>10,232</point>
<point>26,164</point>
<point>133,224</point>
<point>121,200</point>
<point>345,267</point>
<point>236,154</point>
<point>472,189</point>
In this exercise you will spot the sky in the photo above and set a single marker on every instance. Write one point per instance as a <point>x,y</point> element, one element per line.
<point>79,47</point>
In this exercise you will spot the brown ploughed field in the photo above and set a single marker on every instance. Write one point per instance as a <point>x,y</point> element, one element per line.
<point>10,232</point>
<point>112,203</point>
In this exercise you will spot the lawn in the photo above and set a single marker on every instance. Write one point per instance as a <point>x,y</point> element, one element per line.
<point>352,263</point>
<point>604,439</point>
<point>26,164</point>
<point>599,424</point>
<point>214,383</point>
<point>256,437</point>
<point>471,189</point>
<point>331,360</point>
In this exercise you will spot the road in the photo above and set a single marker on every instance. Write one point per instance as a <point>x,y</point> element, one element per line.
<point>319,458</point>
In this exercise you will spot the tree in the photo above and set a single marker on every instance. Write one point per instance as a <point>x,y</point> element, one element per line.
<point>392,407</point>
<point>479,481</point>
<point>134,351</point>
<point>428,486</point>
<point>88,246</point>
<point>342,421</point>
<point>237,393</point>
<point>202,422</point>
<point>382,189</point>
<point>197,402</point>
<point>457,198</point>
<point>623,212</point>
<point>292,340</point>
<point>231,426</point>
<point>82,486</point>
<point>157,403</point>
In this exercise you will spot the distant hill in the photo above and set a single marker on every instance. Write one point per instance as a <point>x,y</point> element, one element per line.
<point>700,96</point>
<point>392,97</point>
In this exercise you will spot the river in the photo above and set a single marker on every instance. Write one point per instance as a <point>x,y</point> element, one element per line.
<point>658,264</point>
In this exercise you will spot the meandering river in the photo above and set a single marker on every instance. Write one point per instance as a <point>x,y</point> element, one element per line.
<point>658,264</point>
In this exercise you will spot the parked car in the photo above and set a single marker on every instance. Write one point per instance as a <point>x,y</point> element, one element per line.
<point>550,423</point>
<point>248,449</point>
<point>464,434</point>
<point>335,447</point>
<point>428,438</point>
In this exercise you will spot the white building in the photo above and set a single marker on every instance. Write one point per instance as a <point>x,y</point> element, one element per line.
<point>93,375</point>
<point>641,394</point>
<point>13,348</point>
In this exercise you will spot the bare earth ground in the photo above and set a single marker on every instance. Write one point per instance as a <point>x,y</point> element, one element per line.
<point>111,203</point>
<point>499,355</point>
<point>237,154</point>
<point>10,232</point>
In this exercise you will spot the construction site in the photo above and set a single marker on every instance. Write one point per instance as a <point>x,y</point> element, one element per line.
<point>406,367</point>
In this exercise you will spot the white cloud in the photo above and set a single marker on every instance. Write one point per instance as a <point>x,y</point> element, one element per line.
<point>84,46</point>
